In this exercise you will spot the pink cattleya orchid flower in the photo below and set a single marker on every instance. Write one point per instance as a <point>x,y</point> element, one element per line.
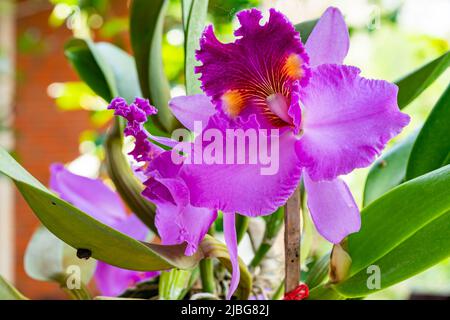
<point>94,198</point>
<point>330,120</point>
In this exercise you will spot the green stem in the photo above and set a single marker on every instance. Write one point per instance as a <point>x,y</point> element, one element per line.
<point>81,293</point>
<point>241,226</point>
<point>126,183</point>
<point>212,248</point>
<point>273,226</point>
<point>207,275</point>
<point>207,270</point>
<point>279,292</point>
<point>260,254</point>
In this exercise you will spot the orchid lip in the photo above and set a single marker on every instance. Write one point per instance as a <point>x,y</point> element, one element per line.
<point>277,103</point>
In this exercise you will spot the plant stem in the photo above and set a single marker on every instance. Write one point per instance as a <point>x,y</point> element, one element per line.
<point>207,270</point>
<point>81,293</point>
<point>241,226</point>
<point>273,226</point>
<point>279,292</point>
<point>207,275</point>
<point>292,233</point>
<point>127,185</point>
<point>260,254</point>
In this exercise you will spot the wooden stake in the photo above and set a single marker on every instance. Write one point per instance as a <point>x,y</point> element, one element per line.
<point>292,235</point>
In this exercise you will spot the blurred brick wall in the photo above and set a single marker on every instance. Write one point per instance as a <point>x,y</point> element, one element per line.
<point>43,133</point>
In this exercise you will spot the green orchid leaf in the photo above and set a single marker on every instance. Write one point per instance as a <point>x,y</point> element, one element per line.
<point>305,28</point>
<point>319,272</point>
<point>412,85</point>
<point>403,224</point>
<point>388,171</point>
<point>81,231</point>
<point>8,292</point>
<point>425,248</point>
<point>47,258</point>
<point>432,147</point>
<point>325,292</point>
<point>107,70</point>
<point>146,31</point>
<point>195,24</point>
<point>90,67</point>
<point>123,69</point>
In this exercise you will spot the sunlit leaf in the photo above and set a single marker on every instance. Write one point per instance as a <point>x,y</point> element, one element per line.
<point>194,28</point>
<point>106,69</point>
<point>146,29</point>
<point>91,68</point>
<point>412,85</point>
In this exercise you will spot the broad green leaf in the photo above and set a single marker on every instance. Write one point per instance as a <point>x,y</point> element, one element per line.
<point>194,28</point>
<point>80,231</point>
<point>412,85</point>
<point>107,70</point>
<point>91,68</point>
<point>425,248</point>
<point>395,221</point>
<point>388,171</point>
<point>319,272</point>
<point>8,292</point>
<point>123,69</point>
<point>305,28</point>
<point>47,258</point>
<point>324,292</point>
<point>146,30</point>
<point>432,147</point>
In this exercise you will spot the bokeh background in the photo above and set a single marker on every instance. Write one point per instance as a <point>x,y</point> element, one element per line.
<point>47,115</point>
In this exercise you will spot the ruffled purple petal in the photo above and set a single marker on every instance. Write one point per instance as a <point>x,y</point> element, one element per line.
<point>188,109</point>
<point>136,115</point>
<point>329,41</point>
<point>347,121</point>
<point>177,220</point>
<point>251,189</point>
<point>189,224</point>
<point>333,209</point>
<point>229,229</point>
<point>89,195</point>
<point>242,77</point>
